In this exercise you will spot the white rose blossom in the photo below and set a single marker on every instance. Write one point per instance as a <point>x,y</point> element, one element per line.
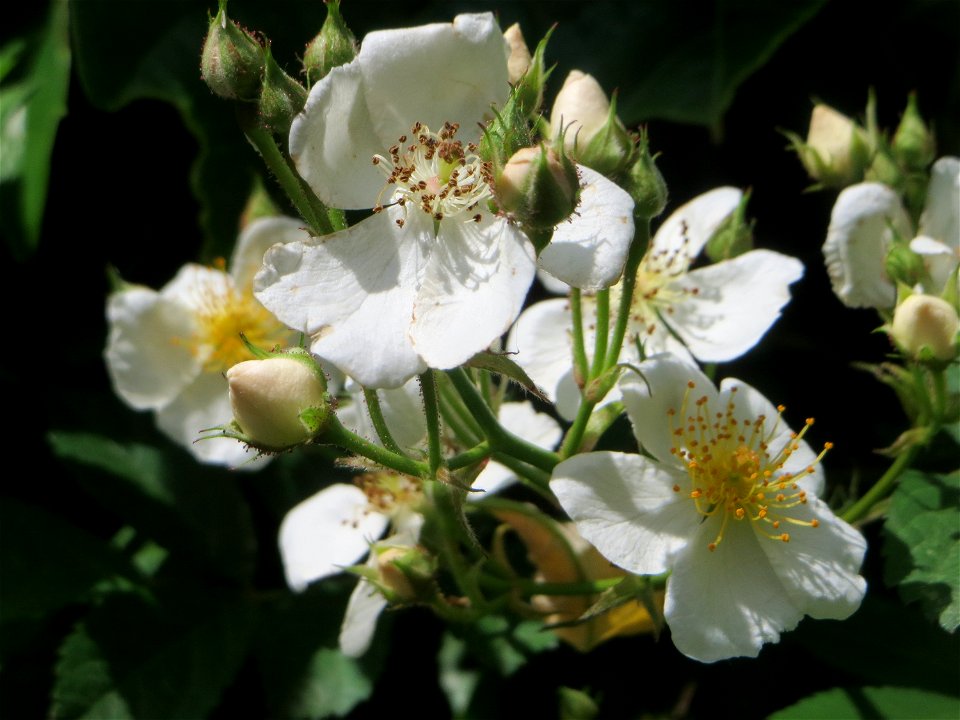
<point>713,313</point>
<point>727,503</point>
<point>168,350</point>
<point>863,223</point>
<point>433,276</point>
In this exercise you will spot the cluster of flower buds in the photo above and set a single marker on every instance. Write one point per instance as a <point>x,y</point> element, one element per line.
<point>238,65</point>
<point>839,152</point>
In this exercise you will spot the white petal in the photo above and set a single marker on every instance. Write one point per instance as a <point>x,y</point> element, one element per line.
<point>660,388</point>
<point>353,293</point>
<point>204,404</point>
<point>255,240</point>
<point>148,354</point>
<point>691,225</point>
<point>434,74</point>
<point>736,302</point>
<point>588,251</point>
<point>544,349</point>
<point>941,213</point>
<point>473,288</point>
<point>522,420</point>
<point>729,602</point>
<point>326,532</point>
<point>360,619</point>
<point>857,242</point>
<point>626,507</point>
<point>939,237</point>
<point>333,141</point>
<point>819,566</point>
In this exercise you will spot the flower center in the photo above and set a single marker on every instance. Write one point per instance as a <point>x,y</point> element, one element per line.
<point>734,472</point>
<point>436,173</point>
<point>223,313</point>
<point>389,492</point>
<point>658,288</point>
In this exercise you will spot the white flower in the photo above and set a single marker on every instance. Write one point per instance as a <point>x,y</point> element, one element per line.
<point>714,313</point>
<point>864,221</point>
<point>434,276</point>
<point>336,527</point>
<point>167,350</point>
<point>728,505</point>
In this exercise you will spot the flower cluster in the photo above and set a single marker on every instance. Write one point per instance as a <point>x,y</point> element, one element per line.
<point>461,193</point>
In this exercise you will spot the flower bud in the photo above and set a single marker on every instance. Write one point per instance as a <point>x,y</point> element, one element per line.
<point>925,327</point>
<point>734,236</point>
<point>281,98</point>
<point>913,144</point>
<point>519,61</point>
<point>903,265</point>
<point>529,84</point>
<point>836,150</point>
<point>278,402</point>
<point>334,45</point>
<point>539,186</point>
<point>231,62</point>
<point>588,124</point>
<point>404,574</point>
<point>645,183</point>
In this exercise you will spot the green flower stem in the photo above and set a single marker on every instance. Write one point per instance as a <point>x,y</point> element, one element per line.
<point>288,178</point>
<point>337,434</point>
<point>939,397</point>
<point>641,238</point>
<point>470,457</point>
<point>456,415</point>
<point>441,497</point>
<point>882,488</point>
<point>431,411</point>
<point>379,423</point>
<point>581,370</point>
<point>535,477</point>
<point>574,436</point>
<point>603,333</point>
<point>530,587</point>
<point>500,439</point>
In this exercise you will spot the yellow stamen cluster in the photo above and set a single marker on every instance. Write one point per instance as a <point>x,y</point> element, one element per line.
<point>734,472</point>
<point>436,173</point>
<point>224,312</point>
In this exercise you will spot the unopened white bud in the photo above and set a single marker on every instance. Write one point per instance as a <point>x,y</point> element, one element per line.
<point>580,110</point>
<point>520,58</point>
<point>835,152</point>
<point>926,326</point>
<point>270,396</point>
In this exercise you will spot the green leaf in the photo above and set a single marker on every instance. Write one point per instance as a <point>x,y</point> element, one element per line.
<point>46,563</point>
<point>505,647</point>
<point>133,659</point>
<point>873,702</point>
<point>458,683</point>
<point>680,61</point>
<point>304,673</point>
<point>922,544</point>
<point>154,53</point>
<point>885,643</point>
<point>32,113</point>
<point>194,510</point>
<point>503,365</point>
